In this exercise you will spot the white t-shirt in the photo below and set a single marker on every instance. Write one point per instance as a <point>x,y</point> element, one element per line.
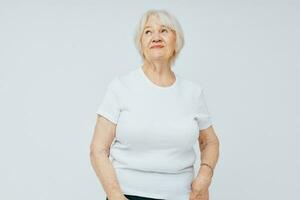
<point>157,128</point>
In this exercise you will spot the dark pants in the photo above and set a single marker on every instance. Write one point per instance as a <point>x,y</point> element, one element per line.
<point>133,197</point>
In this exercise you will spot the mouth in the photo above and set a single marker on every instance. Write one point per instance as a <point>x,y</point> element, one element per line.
<point>157,47</point>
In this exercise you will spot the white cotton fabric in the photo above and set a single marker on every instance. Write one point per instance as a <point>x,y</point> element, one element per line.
<point>156,130</point>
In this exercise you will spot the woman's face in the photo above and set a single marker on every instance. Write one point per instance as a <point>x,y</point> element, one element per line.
<point>158,41</point>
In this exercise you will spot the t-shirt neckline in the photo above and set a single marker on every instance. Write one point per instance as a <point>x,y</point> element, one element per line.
<point>141,71</point>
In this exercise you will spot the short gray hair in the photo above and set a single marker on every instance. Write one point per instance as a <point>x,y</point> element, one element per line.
<point>168,20</point>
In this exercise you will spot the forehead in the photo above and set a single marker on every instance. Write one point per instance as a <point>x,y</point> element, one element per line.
<point>154,20</point>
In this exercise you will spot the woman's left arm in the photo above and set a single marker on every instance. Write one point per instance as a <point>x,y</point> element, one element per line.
<point>209,147</point>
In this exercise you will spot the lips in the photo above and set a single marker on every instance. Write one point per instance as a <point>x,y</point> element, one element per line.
<point>157,46</point>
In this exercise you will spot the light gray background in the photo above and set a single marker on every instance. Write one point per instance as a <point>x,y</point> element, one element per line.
<point>57,57</point>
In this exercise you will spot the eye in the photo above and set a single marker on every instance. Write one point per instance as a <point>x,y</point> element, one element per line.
<point>164,30</point>
<point>147,31</point>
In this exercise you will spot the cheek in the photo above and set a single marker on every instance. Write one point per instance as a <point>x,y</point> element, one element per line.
<point>145,39</point>
<point>171,42</point>
<point>172,46</point>
<point>144,43</point>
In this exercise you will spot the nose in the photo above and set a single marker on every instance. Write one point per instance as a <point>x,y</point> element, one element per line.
<point>156,38</point>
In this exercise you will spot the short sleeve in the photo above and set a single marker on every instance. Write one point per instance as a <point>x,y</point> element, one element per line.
<point>109,106</point>
<point>203,116</point>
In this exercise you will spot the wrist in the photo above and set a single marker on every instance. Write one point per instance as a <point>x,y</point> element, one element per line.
<point>205,172</point>
<point>117,197</point>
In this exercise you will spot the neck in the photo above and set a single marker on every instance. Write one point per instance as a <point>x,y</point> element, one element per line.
<point>159,72</point>
<point>157,66</point>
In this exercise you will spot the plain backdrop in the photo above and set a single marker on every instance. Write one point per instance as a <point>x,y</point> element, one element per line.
<point>57,57</point>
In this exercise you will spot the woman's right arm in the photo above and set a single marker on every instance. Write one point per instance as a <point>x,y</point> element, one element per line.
<point>103,137</point>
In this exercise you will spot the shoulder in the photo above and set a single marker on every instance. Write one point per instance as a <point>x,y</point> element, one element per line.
<point>122,80</point>
<point>189,85</point>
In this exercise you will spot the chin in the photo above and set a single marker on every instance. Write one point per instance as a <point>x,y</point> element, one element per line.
<point>156,57</point>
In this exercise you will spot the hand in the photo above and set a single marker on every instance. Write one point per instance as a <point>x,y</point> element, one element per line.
<point>200,188</point>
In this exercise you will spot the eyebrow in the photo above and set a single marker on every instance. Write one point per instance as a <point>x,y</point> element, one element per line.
<point>151,26</point>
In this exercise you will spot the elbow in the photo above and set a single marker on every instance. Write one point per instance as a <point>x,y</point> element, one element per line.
<point>212,143</point>
<point>215,142</point>
<point>96,152</point>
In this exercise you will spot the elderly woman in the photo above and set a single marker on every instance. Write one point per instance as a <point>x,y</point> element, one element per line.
<point>148,122</point>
